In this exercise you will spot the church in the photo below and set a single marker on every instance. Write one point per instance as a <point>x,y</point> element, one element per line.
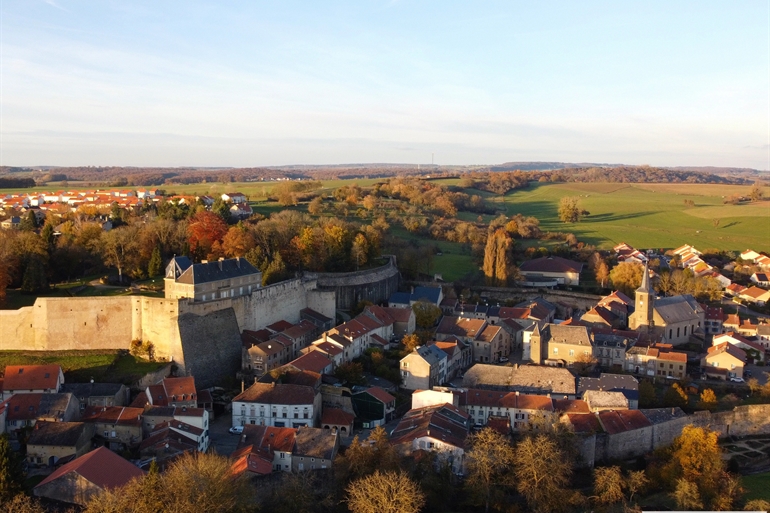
<point>673,320</point>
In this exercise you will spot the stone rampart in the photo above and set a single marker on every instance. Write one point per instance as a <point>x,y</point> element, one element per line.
<point>375,285</point>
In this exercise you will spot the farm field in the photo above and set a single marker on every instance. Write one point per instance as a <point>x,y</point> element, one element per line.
<point>648,215</point>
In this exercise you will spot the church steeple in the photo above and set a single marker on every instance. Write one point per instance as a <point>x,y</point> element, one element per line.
<point>644,303</point>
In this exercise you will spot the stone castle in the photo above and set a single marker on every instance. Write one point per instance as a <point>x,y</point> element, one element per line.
<point>201,336</point>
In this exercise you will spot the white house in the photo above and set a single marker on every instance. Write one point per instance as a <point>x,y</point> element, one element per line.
<point>424,368</point>
<point>277,405</point>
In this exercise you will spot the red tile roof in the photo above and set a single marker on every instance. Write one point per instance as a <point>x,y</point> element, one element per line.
<point>315,361</point>
<point>582,423</point>
<point>571,406</point>
<point>113,415</point>
<point>273,393</point>
<point>102,467</point>
<point>31,377</point>
<point>380,394</point>
<point>279,326</point>
<point>552,264</point>
<point>336,417</point>
<point>615,422</point>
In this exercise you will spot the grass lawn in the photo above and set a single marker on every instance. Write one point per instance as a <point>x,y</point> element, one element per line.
<point>80,366</point>
<point>648,215</point>
<point>757,486</point>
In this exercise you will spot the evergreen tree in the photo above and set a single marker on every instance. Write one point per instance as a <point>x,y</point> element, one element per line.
<point>35,278</point>
<point>29,222</point>
<point>155,263</point>
<point>11,471</point>
<point>47,235</point>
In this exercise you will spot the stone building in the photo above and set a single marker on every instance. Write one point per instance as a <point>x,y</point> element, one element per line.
<point>50,442</point>
<point>424,368</point>
<point>561,345</point>
<point>208,281</point>
<point>277,405</point>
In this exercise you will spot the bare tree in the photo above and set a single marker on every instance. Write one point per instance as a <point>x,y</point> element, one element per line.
<point>542,472</point>
<point>489,465</point>
<point>389,492</point>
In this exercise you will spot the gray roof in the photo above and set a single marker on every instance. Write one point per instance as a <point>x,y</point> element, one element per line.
<point>567,334</point>
<point>65,434</point>
<point>645,286</point>
<point>624,383</point>
<point>85,390</point>
<point>315,442</point>
<point>660,415</point>
<point>431,354</point>
<point>678,308</point>
<point>160,411</point>
<point>535,379</point>
<point>215,271</point>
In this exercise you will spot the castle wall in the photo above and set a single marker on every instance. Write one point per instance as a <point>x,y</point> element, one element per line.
<point>375,285</point>
<point>210,346</point>
<point>16,331</point>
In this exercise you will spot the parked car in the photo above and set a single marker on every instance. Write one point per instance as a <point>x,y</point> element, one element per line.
<point>236,430</point>
<point>747,373</point>
<point>737,380</point>
<point>503,359</point>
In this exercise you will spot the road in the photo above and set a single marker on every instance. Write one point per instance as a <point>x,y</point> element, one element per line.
<point>220,440</point>
<point>742,309</point>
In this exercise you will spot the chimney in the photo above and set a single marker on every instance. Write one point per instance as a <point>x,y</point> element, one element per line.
<point>517,393</point>
<point>220,263</point>
<point>242,385</point>
<point>238,262</point>
<point>204,261</point>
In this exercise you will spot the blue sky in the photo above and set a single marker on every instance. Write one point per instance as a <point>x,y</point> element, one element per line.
<point>161,83</point>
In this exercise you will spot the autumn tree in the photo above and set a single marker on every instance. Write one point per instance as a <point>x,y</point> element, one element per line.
<point>118,246</point>
<point>542,473</point>
<point>205,229</point>
<point>756,192</point>
<point>385,492</point>
<point>708,400</point>
<point>426,314</point>
<point>602,273</point>
<point>316,206</point>
<point>237,241</point>
<point>497,257</point>
<point>208,474</point>
<point>569,209</point>
<point>686,495</point>
<point>276,270</point>
<point>410,342</point>
<point>675,396</point>
<point>608,485</point>
<point>490,461</point>
<point>627,277</point>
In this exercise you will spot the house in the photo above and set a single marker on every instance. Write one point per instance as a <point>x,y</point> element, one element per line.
<point>754,350</point>
<point>724,361</point>
<point>675,319</point>
<point>277,405</point>
<point>176,428</point>
<point>626,253</point>
<point>551,269</point>
<point>24,410</point>
<point>314,361</point>
<point>623,383</point>
<point>750,256</point>
<point>174,392</point>
<point>423,368</point>
<point>557,382</point>
<point>117,427</point>
<point>206,281</point>
<point>28,379</point>
<point>440,429</point>
<point>401,320</point>
<point>241,211</point>
<point>164,444</point>
<point>314,449</point>
<point>98,394</point>
<point>50,442</point>
<point>713,318</point>
<point>263,357</point>
<point>523,412</point>
<point>234,197</point>
<point>432,295</point>
<point>755,295</point>
<point>488,343</point>
<point>80,480</point>
<point>337,419</point>
<point>332,351</point>
<point>374,406</point>
<point>763,336</point>
<point>561,345</point>
<point>12,223</point>
<point>264,444</point>
<point>459,355</point>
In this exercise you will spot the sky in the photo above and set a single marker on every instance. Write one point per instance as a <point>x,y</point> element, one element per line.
<point>247,84</point>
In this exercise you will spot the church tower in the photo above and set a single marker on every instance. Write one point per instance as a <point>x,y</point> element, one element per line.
<point>644,303</point>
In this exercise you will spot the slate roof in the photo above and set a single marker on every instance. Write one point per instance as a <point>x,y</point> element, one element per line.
<point>569,334</point>
<point>431,354</point>
<point>37,405</point>
<point>86,390</point>
<point>660,415</point>
<point>676,309</point>
<point>64,434</point>
<point>315,442</point>
<point>400,298</point>
<point>31,377</point>
<point>102,467</point>
<point>624,383</point>
<point>525,378</point>
<point>317,316</point>
<point>551,264</point>
<point>215,271</point>
<point>273,393</point>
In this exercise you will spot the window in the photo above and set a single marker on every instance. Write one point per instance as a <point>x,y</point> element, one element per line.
<point>555,350</point>
<point>282,455</point>
<point>284,415</point>
<point>572,352</point>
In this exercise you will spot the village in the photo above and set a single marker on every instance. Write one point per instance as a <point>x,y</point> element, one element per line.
<point>310,389</point>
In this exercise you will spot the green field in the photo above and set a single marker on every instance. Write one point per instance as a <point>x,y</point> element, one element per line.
<point>82,366</point>
<point>757,486</point>
<point>648,215</point>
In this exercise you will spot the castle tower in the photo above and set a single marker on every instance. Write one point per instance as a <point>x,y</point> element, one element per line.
<point>644,303</point>
<point>536,346</point>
